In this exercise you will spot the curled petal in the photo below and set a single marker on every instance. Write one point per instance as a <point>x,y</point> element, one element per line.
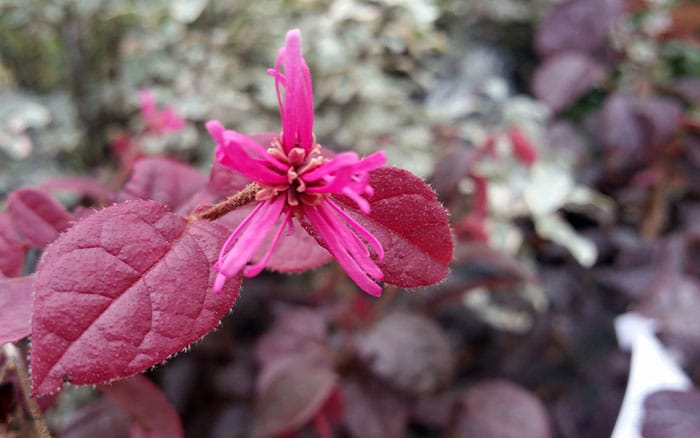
<point>341,244</point>
<point>259,222</point>
<point>297,107</point>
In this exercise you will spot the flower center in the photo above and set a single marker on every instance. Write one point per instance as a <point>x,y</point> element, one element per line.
<point>299,162</point>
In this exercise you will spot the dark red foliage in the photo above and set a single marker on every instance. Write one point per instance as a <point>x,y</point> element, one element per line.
<point>121,291</point>
<point>37,216</point>
<point>373,412</point>
<point>671,414</point>
<point>500,409</point>
<point>296,331</point>
<point>16,305</point>
<point>150,412</point>
<point>11,249</point>
<point>564,78</point>
<point>162,179</point>
<point>409,351</point>
<point>411,225</point>
<point>577,26</point>
<point>292,391</point>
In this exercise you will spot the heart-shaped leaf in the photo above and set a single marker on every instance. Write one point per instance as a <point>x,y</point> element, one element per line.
<point>411,225</point>
<point>121,291</point>
<point>11,249</point>
<point>37,216</point>
<point>150,411</point>
<point>164,180</point>
<point>16,305</point>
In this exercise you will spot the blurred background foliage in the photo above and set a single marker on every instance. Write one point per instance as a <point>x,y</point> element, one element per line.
<point>386,74</point>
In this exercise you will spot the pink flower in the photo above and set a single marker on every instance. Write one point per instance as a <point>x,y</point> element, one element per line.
<point>158,121</point>
<point>298,181</point>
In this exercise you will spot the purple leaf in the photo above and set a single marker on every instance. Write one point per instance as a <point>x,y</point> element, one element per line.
<point>411,225</point>
<point>660,118</point>
<point>100,418</point>
<point>577,26</point>
<point>151,413</point>
<point>673,300</point>
<point>164,180</point>
<point>671,414</point>
<point>500,409</point>
<point>11,249</point>
<point>296,331</point>
<point>37,216</point>
<point>620,130</point>
<point>16,305</point>
<point>373,412</point>
<point>562,79</point>
<point>450,170</point>
<point>224,182</point>
<point>121,291</point>
<point>410,351</point>
<point>688,88</point>
<point>291,391</point>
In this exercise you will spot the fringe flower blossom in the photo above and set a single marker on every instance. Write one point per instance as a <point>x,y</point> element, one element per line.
<point>158,121</point>
<point>296,180</point>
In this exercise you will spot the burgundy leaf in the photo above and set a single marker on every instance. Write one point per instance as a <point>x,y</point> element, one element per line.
<point>296,331</point>
<point>295,252</point>
<point>674,301</point>
<point>410,351</point>
<point>660,118</point>
<point>11,249</point>
<point>164,180</point>
<point>562,79</point>
<point>82,186</point>
<point>16,305</point>
<point>671,414</point>
<point>101,418</point>
<point>291,392</point>
<point>121,291</point>
<point>224,182</point>
<point>620,130</point>
<point>500,409</point>
<point>373,412</point>
<point>37,216</point>
<point>411,225</point>
<point>688,88</point>
<point>577,25</point>
<point>450,170</point>
<point>151,413</point>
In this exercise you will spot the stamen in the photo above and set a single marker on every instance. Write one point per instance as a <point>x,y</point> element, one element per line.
<point>292,198</point>
<point>297,156</point>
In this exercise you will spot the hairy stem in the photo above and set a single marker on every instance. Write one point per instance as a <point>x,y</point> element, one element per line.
<point>15,362</point>
<point>233,202</point>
